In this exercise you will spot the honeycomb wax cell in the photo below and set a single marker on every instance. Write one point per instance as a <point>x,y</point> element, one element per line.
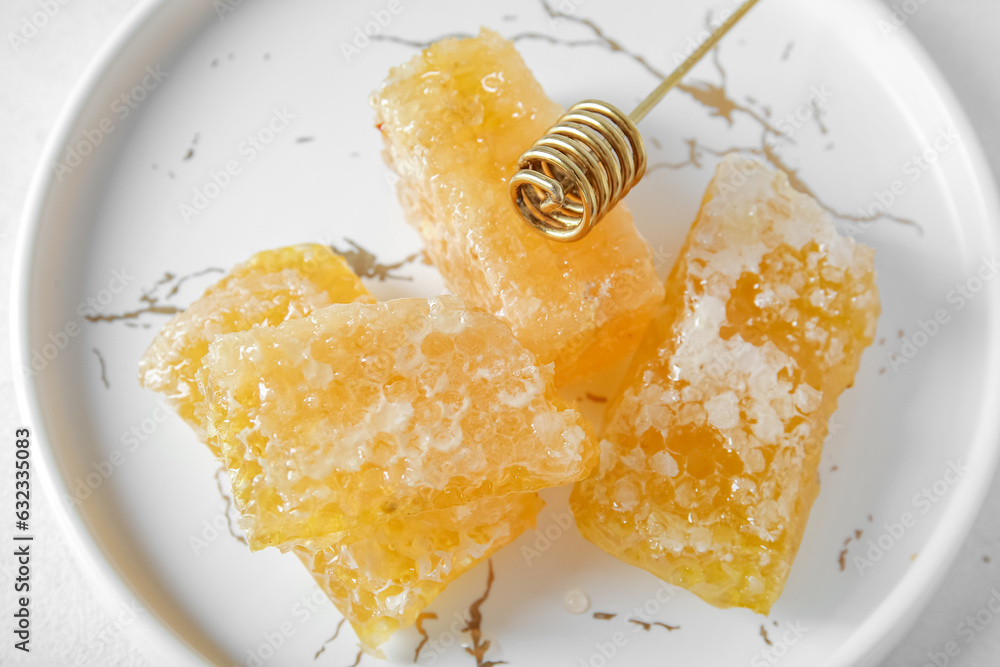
<point>382,577</point>
<point>709,464</point>
<point>455,119</point>
<point>269,288</point>
<point>361,412</point>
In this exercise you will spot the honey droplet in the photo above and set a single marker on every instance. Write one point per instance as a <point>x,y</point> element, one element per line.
<point>576,602</point>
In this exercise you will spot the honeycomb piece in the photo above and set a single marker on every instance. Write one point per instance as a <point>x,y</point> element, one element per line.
<point>269,288</point>
<point>382,577</point>
<point>455,119</point>
<point>362,412</point>
<point>709,467</point>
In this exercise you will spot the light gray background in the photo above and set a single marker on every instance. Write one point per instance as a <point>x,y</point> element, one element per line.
<point>70,625</point>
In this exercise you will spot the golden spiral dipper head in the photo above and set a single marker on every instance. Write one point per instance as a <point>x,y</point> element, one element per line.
<point>593,156</point>
<point>575,174</point>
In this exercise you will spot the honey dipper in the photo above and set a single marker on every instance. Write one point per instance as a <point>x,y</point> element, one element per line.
<point>592,157</point>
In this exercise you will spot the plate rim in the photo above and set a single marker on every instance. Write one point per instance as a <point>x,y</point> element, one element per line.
<point>151,631</point>
<point>901,609</point>
<point>871,641</point>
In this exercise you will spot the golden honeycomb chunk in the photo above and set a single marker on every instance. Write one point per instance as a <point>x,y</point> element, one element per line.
<point>709,467</point>
<point>382,577</point>
<point>455,119</point>
<point>360,413</point>
<point>269,288</point>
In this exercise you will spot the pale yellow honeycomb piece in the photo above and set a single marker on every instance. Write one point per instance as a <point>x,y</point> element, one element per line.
<point>455,120</point>
<point>380,577</point>
<point>709,464</point>
<point>362,412</point>
<point>267,289</point>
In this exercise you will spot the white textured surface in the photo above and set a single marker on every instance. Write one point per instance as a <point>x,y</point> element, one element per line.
<point>71,627</point>
<point>70,624</point>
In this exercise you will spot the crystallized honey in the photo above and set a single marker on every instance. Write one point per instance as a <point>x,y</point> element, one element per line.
<point>455,119</point>
<point>360,413</point>
<point>269,288</point>
<point>709,465</point>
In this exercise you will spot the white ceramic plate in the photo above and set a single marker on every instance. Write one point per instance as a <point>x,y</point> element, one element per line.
<point>179,93</point>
